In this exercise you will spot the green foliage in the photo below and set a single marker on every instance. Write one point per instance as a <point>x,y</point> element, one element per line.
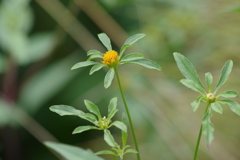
<point>193,82</point>
<point>132,58</point>
<point>71,152</point>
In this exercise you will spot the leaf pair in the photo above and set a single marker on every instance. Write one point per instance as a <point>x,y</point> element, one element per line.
<point>101,123</point>
<point>132,58</point>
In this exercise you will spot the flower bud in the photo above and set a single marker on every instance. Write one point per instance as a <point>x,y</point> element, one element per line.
<point>211,98</point>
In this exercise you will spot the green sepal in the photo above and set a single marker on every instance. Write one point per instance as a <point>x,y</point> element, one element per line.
<point>96,67</point>
<point>145,63</point>
<point>234,106</point>
<point>112,107</point>
<point>81,129</point>
<point>207,127</point>
<point>192,85</point>
<point>196,103</point>
<point>119,125</point>
<point>108,78</point>
<point>92,52</point>
<point>105,152</point>
<point>132,56</point>
<point>93,108</point>
<point>83,64</point>
<point>105,41</point>
<point>187,69</point>
<point>228,94</point>
<point>109,138</point>
<point>217,107</point>
<point>226,70</point>
<point>209,79</point>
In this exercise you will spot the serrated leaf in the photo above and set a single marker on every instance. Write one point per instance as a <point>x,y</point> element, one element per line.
<point>209,79</point>
<point>105,41</point>
<point>131,151</point>
<point>187,69</point>
<point>226,70</point>
<point>207,127</point>
<point>81,129</point>
<point>145,63</point>
<point>196,103</point>
<point>92,52</point>
<point>234,106</point>
<point>132,56</point>
<point>94,56</point>
<point>96,67</point>
<point>119,125</point>
<point>105,152</point>
<point>109,138</point>
<point>64,110</point>
<point>228,94</point>
<point>112,106</point>
<point>93,108</point>
<point>108,78</point>
<point>134,38</point>
<point>123,48</point>
<point>72,153</point>
<point>217,107</point>
<point>83,64</point>
<point>124,134</point>
<point>112,113</point>
<point>192,85</point>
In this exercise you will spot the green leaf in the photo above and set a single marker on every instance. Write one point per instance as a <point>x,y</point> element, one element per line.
<point>81,129</point>
<point>112,106</point>
<point>94,56</point>
<point>91,118</point>
<point>228,94</point>
<point>105,41</point>
<point>187,69</point>
<point>105,152</point>
<point>207,127</point>
<point>123,48</point>
<point>112,113</point>
<point>132,56</point>
<point>134,38</point>
<point>96,67</point>
<point>109,138</point>
<point>209,79</point>
<point>226,70</point>
<point>145,63</point>
<point>72,153</point>
<point>108,78</point>
<point>92,52</point>
<point>192,85</point>
<point>217,107</point>
<point>119,125</point>
<point>131,151</point>
<point>93,108</point>
<point>196,103</point>
<point>83,64</point>
<point>234,106</point>
<point>124,134</point>
<point>64,110</point>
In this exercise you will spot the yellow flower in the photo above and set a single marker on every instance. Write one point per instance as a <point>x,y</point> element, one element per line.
<point>110,58</point>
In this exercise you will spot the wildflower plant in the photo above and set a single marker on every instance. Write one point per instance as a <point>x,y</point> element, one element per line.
<point>112,60</point>
<point>208,96</point>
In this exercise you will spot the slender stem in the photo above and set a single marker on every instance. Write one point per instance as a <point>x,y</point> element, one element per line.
<point>199,136</point>
<point>128,113</point>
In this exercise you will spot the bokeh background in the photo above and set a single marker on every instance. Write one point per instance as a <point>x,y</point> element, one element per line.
<point>40,40</point>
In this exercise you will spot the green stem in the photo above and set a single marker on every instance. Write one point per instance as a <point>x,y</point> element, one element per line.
<point>199,136</point>
<point>128,113</point>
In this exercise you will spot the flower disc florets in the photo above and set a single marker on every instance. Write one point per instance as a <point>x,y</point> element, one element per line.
<point>211,98</point>
<point>110,58</point>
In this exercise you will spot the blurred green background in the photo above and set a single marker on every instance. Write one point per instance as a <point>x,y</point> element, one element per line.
<point>41,40</point>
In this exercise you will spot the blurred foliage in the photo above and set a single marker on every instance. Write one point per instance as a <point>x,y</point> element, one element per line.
<point>37,50</point>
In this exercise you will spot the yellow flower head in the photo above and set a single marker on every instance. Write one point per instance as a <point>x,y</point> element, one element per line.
<point>110,58</point>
